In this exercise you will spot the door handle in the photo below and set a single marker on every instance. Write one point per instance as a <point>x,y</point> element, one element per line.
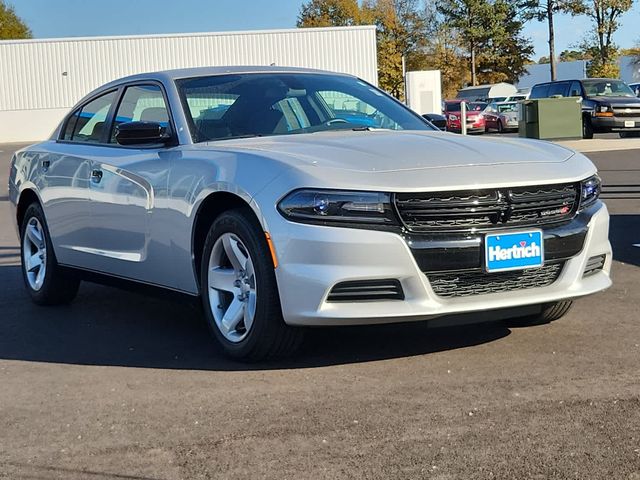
<point>45,165</point>
<point>96,176</point>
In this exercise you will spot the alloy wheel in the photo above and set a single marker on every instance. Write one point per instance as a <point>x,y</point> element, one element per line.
<point>232,287</point>
<point>34,252</point>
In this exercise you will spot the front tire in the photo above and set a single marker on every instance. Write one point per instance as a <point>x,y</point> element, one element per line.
<point>46,283</point>
<point>500,127</point>
<point>587,128</point>
<point>629,134</point>
<point>239,291</point>
<point>550,312</point>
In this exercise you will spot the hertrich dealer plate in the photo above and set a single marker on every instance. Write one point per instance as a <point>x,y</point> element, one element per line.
<point>513,251</point>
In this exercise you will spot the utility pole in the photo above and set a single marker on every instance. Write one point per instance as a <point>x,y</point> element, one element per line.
<point>552,47</point>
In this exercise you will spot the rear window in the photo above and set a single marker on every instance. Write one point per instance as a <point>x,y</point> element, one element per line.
<point>540,91</point>
<point>560,89</point>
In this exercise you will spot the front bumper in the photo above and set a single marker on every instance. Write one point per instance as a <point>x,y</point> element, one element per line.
<point>615,124</point>
<point>313,259</point>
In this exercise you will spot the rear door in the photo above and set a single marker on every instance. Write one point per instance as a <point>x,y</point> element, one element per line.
<point>66,168</point>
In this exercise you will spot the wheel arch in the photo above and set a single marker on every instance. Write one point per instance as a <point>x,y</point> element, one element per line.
<point>209,209</point>
<point>26,198</point>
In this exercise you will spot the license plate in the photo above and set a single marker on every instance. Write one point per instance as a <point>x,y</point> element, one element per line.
<point>513,251</point>
<point>629,123</point>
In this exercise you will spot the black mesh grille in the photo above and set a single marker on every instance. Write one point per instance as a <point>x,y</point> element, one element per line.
<point>594,265</point>
<point>487,208</point>
<point>465,284</point>
<point>357,291</point>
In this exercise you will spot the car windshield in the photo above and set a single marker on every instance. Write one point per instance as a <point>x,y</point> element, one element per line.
<point>471,106</point>
<point>245,105</point>
<point>507,107</point>
<point>607,88</point>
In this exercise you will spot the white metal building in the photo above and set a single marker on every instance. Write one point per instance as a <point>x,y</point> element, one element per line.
<point>41,79</point>
<point>540,73</point>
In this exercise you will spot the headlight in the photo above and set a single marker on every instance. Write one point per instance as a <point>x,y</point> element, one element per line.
<point>453,117</point>
<point>604,111</point>
<point>337,206</point>
<point>590,191</point>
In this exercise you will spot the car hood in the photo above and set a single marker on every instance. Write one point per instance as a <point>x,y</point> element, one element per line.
<point>393,151</point>
<point>618,101</point>
<point>509,115</point>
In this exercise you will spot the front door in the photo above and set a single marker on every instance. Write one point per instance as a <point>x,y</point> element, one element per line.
<point>126,187</point>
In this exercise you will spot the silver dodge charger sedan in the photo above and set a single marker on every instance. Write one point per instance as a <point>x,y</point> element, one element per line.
<point>288,197</point>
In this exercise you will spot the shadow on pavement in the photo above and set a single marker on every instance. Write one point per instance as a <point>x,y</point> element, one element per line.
<point>107,326</point>
<point>624,233</point>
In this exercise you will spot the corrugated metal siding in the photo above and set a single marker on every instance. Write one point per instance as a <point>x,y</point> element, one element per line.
<point>31,74</point>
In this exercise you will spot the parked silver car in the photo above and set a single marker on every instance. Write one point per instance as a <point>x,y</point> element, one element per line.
<point>289,197</point>
<point>501,116</point>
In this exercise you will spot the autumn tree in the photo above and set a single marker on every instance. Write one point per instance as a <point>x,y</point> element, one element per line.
<point>605,15</point>
<point>401,37</point>
<point>329,13</point>
<point>11,25</point>
<point>399,26</point>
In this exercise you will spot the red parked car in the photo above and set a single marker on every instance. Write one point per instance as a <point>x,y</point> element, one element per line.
<point>475,119</point>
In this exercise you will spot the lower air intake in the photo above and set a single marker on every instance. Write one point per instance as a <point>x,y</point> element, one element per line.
<point>469,283</point>
<point>594,265</point>
<point>364,290</point>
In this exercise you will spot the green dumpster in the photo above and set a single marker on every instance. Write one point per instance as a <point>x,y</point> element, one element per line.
<point>551,118</point>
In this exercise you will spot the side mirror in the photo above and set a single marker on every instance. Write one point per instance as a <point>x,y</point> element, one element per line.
<point>141,133</point>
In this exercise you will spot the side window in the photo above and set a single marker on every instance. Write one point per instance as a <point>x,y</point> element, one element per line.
<point>141,103</point>
<point>91,120</point>
<point>575,90</point>
<point>560,89</point>
<point>540,91</point>
<point>70,125</point>
<point>294,114</point>
<point>355,111</point>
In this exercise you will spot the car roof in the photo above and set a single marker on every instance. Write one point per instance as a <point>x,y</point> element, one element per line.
<point>170,75</point>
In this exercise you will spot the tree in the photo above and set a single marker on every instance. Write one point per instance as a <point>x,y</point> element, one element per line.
<point>401,35</point>
<point>328,13</point>
<point>445,52</point>
<point>605,15</point>
<point>545,10</point>
<point>505,55</point>
<point>573,55</point>
<point>400,31</point>
<point>491,31</point>
<point>11,26</point>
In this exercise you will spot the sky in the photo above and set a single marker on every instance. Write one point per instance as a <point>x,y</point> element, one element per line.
<point>80,18</point>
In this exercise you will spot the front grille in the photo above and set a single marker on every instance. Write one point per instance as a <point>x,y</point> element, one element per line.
<point>487,208</point>
<point>362,290</point>
<point>469,283</point>
<point>627,111</point>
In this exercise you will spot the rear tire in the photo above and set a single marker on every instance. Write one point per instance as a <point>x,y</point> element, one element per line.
<point>45,281</point>
<point>240,293</point>
<point>550,312</point>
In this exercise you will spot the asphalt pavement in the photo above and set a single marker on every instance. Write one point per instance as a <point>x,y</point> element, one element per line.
<point>122,386</point>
